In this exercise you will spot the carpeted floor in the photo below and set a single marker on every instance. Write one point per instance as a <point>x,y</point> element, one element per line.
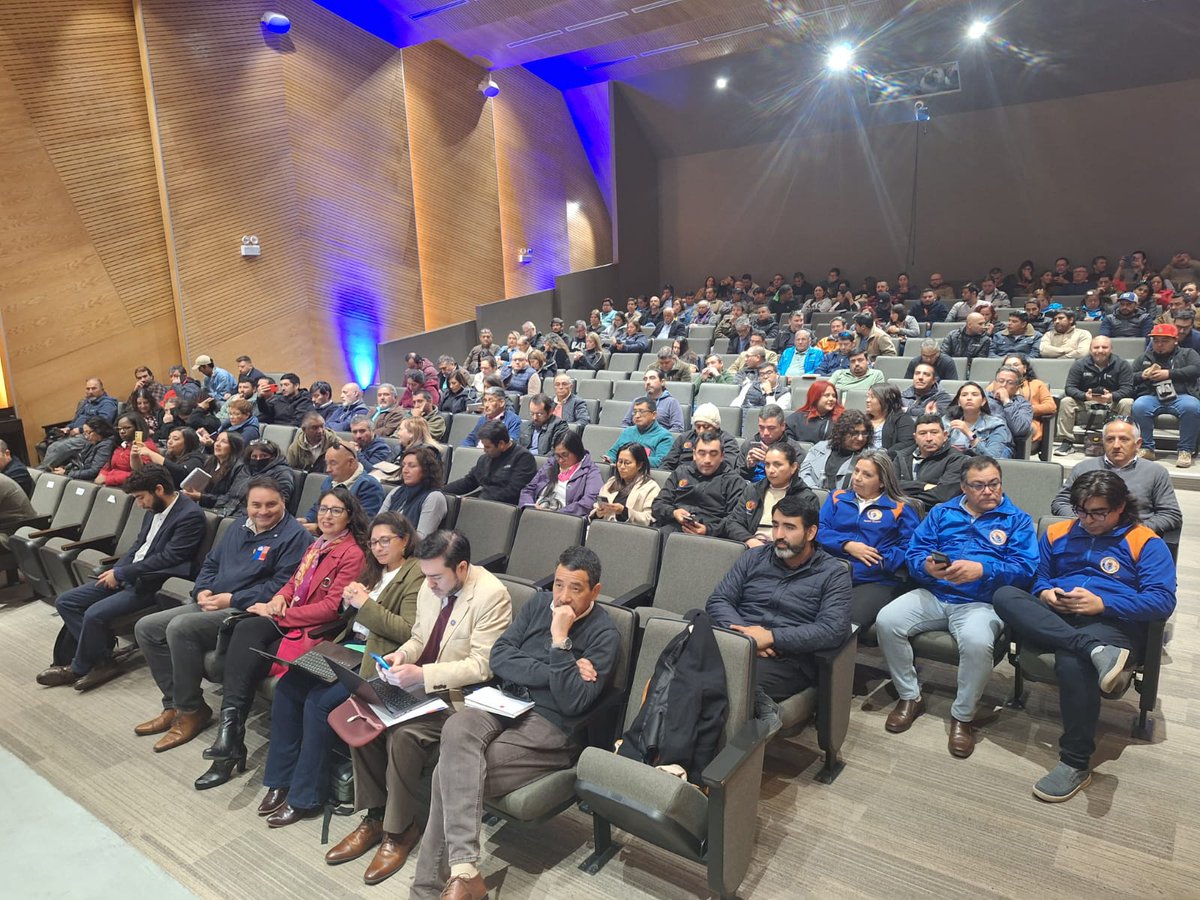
<point>904,819</point>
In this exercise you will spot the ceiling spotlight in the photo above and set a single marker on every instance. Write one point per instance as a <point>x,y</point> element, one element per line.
<point>722,83</point>
<point>840,57</point>
<point>572,207</point>
<point>488,87</point>
<point>977,29</point>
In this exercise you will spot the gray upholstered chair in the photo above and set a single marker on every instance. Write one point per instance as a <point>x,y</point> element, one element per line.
<point>100,530</point>
<point>491,528</point>
<point>629,556</point>
<point>692,565</point>
<point>541,537</point>
<point>716,828</point>
<point>72,511</point>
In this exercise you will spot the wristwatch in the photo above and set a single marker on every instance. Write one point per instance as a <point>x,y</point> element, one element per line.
<point>565,645</point>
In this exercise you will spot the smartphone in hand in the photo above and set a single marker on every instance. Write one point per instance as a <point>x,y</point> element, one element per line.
<point>940,558</point>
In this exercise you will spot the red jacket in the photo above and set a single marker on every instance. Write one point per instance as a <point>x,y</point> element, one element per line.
<point>336,568</point>
<point>118,468</point>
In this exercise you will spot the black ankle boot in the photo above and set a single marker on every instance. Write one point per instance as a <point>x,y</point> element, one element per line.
<point>221,771</point>
<point>231,734</point>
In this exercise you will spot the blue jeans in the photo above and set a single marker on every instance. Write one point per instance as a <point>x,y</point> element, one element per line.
<point>301,739</point>
<point>975,627</point>
<point>1185,407</point>
<point>87,611</point>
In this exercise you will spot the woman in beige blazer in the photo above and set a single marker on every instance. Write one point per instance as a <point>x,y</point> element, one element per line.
<point>628,495</point>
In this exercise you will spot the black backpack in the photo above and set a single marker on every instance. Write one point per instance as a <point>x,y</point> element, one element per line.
<point>684,703</point>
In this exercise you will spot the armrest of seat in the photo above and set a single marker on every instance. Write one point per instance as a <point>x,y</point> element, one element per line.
<point>734,784</point>
<point>544,584</point>
<point>634,595</point>
<point>32,522</point>
<point>493,563</point>
<point>104,542</point>
<point>1151,665</point>
<point>835,692</point>
<point>109,561</point>
<point>65,531</point>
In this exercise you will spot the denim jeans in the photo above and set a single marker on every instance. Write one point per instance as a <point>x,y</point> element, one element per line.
<point>975,627</point>
<point>1185,407</point>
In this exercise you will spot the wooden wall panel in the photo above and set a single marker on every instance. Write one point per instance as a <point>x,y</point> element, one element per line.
<point>542,167</point>
<point>301,140</point>
<point>84,277</point>
<point>455,189</point>
<point>349,137</point>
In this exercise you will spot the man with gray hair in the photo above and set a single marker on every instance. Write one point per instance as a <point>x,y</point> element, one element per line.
<point>307,451</point>
<point>931,352</point>
<point>388,414</point>
<point>739,341</point>
<point>351,405</point>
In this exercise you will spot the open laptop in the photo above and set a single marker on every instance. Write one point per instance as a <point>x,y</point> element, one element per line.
<point>312,662</point>
<point>395,700</point>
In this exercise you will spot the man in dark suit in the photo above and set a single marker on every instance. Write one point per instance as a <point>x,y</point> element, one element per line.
<point>165,546</point>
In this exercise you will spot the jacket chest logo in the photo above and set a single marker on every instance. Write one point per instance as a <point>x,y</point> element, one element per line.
<point>998,537</point>
<point>874,515</point>
<point>260,552</point>
<point>1109,565</point>
<point>683,482</point>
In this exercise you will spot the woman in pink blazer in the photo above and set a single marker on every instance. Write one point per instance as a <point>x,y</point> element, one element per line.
<point>286,625</point>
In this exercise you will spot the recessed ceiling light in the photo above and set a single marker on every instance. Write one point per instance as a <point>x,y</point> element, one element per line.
<point>722,83</point>
<point>840,57</point>
<point>572,207</point>
<point>977,29</point>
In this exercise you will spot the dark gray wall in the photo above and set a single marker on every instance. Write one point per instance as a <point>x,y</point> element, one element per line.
<point>455,340</point>
<point>581,292</point>
<point>1072,176</point>
<point>636,190</point>
<point>504,316</point>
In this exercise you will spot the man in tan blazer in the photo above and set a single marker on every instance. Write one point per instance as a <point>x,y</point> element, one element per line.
<point>461,611</point>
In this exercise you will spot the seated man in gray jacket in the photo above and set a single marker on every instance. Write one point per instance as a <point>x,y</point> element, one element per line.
<point>544,429</point>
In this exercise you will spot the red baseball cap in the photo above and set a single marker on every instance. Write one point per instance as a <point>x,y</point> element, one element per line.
<point>1164,330</point>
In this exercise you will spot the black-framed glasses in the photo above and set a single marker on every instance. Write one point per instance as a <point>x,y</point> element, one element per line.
<point>331,510</point>
<point>1093,515</point>
<point>982,486</point>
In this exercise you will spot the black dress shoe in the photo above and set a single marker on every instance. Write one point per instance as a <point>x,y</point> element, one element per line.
<point>221,771</point>
<point>289,815</point>
<point>57,675</point>
<point>273,801</point>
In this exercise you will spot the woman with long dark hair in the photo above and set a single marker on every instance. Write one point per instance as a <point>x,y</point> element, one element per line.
<point>287,624</point>
<point>812,421</point>
<point>418,497</point>
<point>870,525</point>
<point>974,427</point>
<point>145,405</point>
<point>830,463</point>
<point>1027,280</point>
<point>230,475</point>
<point>383,607</point>
<point>781,470</point>
<point>568,483</point>
<point>893,426</point>
<point>628,495</point>
<point>181,454</point>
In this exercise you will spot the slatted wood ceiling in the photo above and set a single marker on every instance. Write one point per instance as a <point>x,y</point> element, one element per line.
<point>454,184</point>
<point>83,261</point>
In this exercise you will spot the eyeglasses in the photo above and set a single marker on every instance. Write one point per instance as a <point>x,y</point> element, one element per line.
<point>382,543</point>
<point>981,486</point>
<point>1094,515</point>
<point>858,433</point>
<point>331,510</point>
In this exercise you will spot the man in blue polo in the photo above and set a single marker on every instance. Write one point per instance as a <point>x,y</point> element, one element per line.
<point>960,554</point>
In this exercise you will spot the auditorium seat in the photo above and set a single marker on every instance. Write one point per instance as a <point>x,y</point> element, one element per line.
<point>541,537</point>
<point>68,519</point>
<point>461,426</point>
<point>91,562</point>
<point>490,527</point>
<point>692,566</point>
<point>100,530</point>
<point>629,557</point>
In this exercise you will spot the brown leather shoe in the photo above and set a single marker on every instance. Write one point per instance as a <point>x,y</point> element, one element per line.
<point>289,815</point>
<point>99,674</point>
<point>904,714</point>
<point>462,888</point>
<point>157,725</point>
<point>962,738</point>
<point>185,727</point>
<point>391,855</point>
<point>56,676</point>
<point>368,833</point>
<point>272,801</point>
